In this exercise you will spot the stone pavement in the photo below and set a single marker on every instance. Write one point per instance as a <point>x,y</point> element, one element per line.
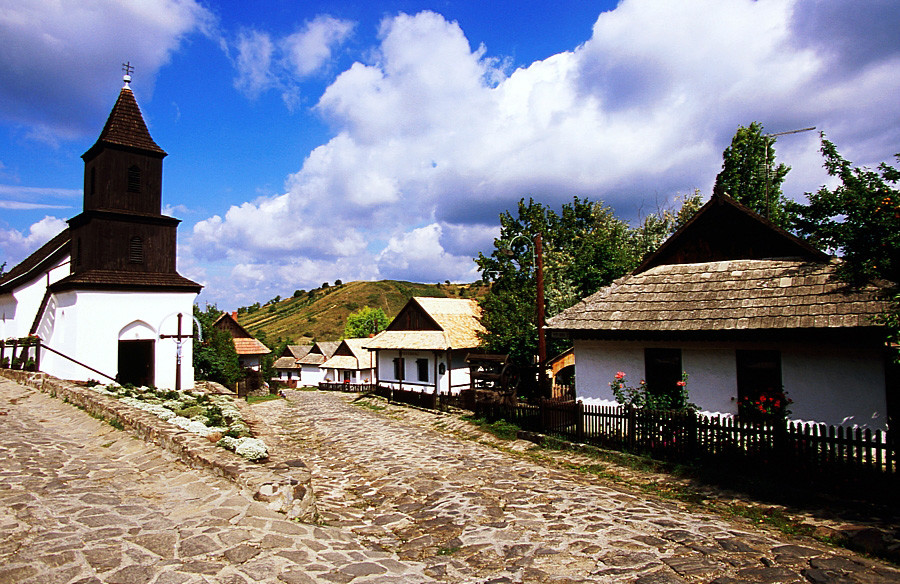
<point>401,501</point>
<point>472,513</point>
<point>82,502</point>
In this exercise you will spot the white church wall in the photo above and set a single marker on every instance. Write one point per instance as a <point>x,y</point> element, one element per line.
<point>88,325</point>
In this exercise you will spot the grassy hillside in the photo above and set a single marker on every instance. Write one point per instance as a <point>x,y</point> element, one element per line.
<point>320,314</point>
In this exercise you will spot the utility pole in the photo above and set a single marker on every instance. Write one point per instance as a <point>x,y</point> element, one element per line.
<point>766,156</point>
<point>542,339</point>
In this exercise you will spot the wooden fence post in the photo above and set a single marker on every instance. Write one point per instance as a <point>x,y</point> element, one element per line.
<point>630,430</point>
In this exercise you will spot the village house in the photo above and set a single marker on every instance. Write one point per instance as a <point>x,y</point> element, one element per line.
<point>250,351</point>
<point>351,363</point>
<point>287,366</point>
<point>104,295</point>
<point>424,348</point>
<point>748,311</point>
<point>310,364</point>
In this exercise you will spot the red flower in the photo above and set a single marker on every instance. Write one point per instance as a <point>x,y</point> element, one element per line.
<point>620,375</point>
<point>680,383</point>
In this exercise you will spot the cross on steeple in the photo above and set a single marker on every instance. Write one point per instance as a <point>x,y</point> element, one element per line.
<point>128,69</point>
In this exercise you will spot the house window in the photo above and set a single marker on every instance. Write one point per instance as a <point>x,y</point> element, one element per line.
<point>758,377</point>
<point>136,250</point>
<point>134,179</point>
<point>662,371</point>
<point>399,365</point>
<point>422,369</point>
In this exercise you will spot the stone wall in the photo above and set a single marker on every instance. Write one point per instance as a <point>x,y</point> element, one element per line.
<point>284,487</point>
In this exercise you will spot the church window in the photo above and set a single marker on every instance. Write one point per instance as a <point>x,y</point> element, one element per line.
<point>136,250</point>
<point>134,179</point>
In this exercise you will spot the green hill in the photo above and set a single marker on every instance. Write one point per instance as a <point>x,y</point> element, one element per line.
<point>320,314</point>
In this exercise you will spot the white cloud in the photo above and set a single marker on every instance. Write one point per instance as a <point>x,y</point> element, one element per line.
<point>254,62</point>
<point>310,49</point>
<point>433,137</point>
<point>419,255</point>
<point>76,48</point>
<point>16,245</point>
<point>264,63</point>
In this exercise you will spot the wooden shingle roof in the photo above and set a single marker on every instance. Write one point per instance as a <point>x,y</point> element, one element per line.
<point>250,346</point>
<point>125,127</point>
<point>730,295</point>
<point>33,265</point>
<point>458,321</point>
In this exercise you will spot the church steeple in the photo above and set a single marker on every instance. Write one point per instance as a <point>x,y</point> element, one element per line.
<point>122,239</point>
<point>123,169</point>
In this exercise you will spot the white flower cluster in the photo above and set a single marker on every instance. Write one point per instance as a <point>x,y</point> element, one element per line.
<point>249,448</point>
<point>160,411</point>
<point>163,405</point>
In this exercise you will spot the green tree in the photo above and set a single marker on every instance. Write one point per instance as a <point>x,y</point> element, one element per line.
<point>749,174</point>
<point>215,358</point>
<point>858,220</point>
<point>585,247</point>
<point>364,322</point>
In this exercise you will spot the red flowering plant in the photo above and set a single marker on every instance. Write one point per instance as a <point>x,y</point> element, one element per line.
<point>767,405</point>
<point>640,396</point>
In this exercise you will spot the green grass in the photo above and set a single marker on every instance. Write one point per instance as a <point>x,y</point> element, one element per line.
<point>501,428</point>
<point>255,399</point>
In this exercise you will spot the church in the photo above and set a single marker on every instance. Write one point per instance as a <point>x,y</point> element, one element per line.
<point>104,295</point>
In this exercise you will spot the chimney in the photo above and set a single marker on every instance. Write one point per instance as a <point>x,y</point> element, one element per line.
<point>234,314</point>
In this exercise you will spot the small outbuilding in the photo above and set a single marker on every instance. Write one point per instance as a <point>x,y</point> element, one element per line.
<point>250,350</point>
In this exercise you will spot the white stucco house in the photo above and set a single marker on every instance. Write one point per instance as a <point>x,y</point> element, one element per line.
<point>311,372</point>
<point>746,310</point>
<point>288,370</point>
<point>424,348</point>
<point>103,294</point>
<point>351,363</point>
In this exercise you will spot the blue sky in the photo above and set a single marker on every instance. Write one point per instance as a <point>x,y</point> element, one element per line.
<point>314,141</point>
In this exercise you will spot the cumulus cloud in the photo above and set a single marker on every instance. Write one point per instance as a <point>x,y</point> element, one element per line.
<point>434,138</point>
<point>16,245</point>
<point>79,52</point>
<point>265,63</point>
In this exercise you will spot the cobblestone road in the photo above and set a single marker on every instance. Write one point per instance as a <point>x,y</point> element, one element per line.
<point>472,513</point>
<point>83,502</point>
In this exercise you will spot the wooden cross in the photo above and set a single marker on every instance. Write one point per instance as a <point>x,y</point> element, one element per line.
<point>179,340</point>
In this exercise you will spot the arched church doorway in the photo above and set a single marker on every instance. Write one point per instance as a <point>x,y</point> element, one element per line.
<point>137,350</point>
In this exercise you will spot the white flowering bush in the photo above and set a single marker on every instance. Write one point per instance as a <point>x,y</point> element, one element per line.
<point>197,413</point>
<point>252,449</point>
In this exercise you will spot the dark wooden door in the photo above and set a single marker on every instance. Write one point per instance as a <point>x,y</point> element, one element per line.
<point>136,363</point>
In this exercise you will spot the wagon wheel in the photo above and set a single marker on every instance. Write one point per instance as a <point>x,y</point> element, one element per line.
<point>509,379</point>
